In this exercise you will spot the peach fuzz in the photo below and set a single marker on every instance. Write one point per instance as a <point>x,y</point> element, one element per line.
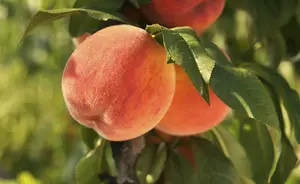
<point>189,113</point>
<point>198,14</point>
<point>118,83</point>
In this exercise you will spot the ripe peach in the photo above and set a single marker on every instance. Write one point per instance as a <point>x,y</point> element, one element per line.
<point>198,14</point>
<point>189,113</point>
<point>117,82</point>
<point>78,40</point>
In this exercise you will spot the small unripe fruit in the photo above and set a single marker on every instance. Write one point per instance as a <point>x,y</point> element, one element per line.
<point>118,83</point>
<point>189,113</point>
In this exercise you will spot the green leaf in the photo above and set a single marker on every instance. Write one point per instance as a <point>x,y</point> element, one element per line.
<point>246,180</point>
<point>112,5</point>
<point>233,150</point>
<point>90,166</point>
<point>158,164</point>
<point>286,163</point>
<point>257,141</point>
<point>203,61</point>
<point>215,52</point>
<point>188,54</point>
<point>184,48</point>
<point>144,162</point>
<point>240,89</point>
<point>240,92</point>
<point>243,91</point>
<point>112,168</point>
<point>44,16</point>
<point>276,136</point>
<point>81,23</point>
<point>179,170</point>
<point>209,136</point>
<point>289,99</point>
<point>181,55</point>
<point>213,167</point>
<point>88,136</point>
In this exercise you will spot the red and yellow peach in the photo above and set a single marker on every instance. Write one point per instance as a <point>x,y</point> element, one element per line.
<point>118,83</point>
<point>189,113</point>
<point>198,14</point>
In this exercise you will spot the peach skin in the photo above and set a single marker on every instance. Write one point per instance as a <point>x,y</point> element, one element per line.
<point>189,113</point>
<point>198,14</point>
<point>118,83</point>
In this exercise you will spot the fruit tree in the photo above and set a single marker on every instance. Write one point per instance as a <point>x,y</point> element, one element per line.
<point>183,92</point>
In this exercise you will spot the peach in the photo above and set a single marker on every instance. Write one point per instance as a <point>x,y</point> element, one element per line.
<point>78,40</point>
<point>189,113</point>
<point>198,14</point>
<point>118,83</point>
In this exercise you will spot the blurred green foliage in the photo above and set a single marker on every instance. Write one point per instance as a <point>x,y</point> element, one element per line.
<point>36,133</point>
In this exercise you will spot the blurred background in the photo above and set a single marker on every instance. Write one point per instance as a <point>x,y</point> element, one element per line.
<point>39,141</point>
